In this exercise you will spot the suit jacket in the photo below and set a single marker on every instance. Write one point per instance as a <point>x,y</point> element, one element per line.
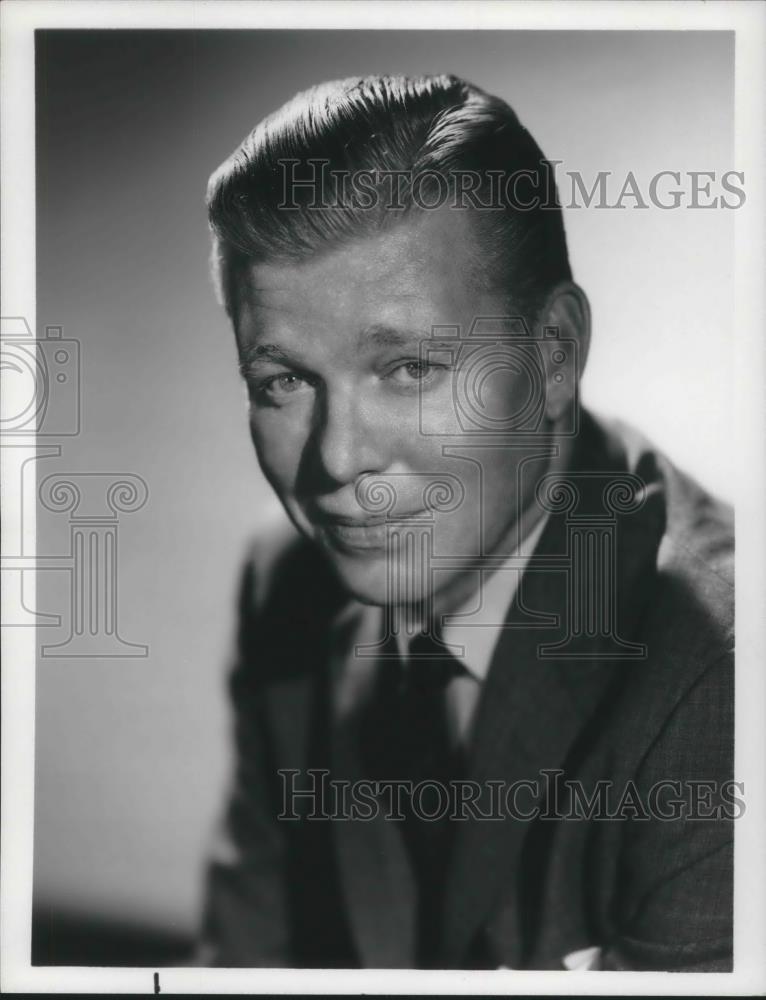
<point>644,707</point>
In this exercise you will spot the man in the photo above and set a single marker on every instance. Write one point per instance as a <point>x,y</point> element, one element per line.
<point>483,691</point>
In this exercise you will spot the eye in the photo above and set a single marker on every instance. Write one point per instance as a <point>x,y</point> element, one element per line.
<point>285,383</point>
<point>277,388</point>
<point>414,371</point>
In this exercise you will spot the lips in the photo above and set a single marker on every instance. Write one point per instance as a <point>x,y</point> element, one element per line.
<point>358,537</point>
<point>351,534</point>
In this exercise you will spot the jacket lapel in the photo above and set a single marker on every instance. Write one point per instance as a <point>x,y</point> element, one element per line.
<point>525,723</point>
<point>374,871</point>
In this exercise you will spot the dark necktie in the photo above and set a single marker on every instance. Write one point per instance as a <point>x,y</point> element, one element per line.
<point>414,745</point>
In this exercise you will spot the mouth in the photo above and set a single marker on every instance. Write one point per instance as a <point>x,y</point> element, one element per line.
<point>355,535</point>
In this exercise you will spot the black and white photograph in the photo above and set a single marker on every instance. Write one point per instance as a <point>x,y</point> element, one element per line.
<point>383,470</point>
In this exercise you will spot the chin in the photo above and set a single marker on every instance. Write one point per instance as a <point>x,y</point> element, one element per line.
<point>365,578</point>
<point>373,579</point>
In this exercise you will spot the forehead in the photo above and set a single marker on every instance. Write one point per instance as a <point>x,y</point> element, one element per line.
<point>423,267</point>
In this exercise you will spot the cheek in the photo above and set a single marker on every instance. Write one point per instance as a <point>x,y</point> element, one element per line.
<point>500,480</point>
<point>421,453</point>
<point>279,440</point>
<point>504,394</point>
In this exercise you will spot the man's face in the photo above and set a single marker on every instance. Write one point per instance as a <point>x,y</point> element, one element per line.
<point>340,398</point>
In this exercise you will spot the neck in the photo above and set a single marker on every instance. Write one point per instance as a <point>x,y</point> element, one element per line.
<point>458,591</point>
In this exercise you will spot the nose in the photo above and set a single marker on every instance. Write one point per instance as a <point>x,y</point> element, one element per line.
<point>349,442</point>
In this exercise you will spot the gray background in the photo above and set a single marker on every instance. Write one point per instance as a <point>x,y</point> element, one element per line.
<point>132,754</point>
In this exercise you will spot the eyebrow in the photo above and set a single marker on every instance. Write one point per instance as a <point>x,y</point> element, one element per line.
<point>253,353</point>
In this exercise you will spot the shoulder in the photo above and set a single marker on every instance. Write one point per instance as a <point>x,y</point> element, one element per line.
<point>288,596</point>
<point>693,565</point>
<point>275,557</point>
<point>678,698</point>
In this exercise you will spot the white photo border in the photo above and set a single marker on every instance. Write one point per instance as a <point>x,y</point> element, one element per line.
<point>18,21</point>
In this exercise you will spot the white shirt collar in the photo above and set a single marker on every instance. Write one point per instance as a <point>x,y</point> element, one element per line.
<point>476,625</point>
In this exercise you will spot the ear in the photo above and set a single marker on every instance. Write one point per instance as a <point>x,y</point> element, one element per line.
<point>564,332</point>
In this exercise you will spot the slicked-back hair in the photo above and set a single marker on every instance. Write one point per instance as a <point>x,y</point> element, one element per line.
<point>406,138</point>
